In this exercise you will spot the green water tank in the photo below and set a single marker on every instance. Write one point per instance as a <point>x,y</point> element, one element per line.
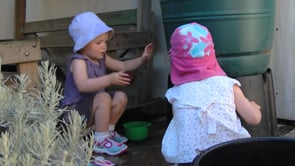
<point>242,30</point>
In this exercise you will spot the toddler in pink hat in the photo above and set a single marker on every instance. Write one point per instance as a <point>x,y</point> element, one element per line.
<point>205,102</point>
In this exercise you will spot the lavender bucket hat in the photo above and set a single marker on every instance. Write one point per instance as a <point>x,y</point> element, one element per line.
<point>85,27</point>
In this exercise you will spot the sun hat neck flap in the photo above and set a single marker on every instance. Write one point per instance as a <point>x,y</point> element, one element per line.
<point>192,54</point>
<point>85,27</point>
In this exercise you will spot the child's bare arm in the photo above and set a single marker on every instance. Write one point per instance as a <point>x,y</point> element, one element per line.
<point>132,64</point>
<point>85,84</point>
<point>248,110</point>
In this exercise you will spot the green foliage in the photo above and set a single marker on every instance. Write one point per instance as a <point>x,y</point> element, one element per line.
<point>33,132</point>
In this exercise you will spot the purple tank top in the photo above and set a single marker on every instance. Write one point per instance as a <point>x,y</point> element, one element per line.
<point>71,93</point>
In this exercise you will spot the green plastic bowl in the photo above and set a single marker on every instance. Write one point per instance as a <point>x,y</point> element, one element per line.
<point>137,130</point>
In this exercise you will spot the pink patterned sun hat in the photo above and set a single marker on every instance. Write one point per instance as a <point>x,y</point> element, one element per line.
<point>192,54</point>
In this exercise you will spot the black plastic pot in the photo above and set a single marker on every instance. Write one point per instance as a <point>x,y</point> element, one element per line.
<point>260,151</point>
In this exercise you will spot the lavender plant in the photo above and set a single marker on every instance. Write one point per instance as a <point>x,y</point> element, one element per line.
<point>30,117</point>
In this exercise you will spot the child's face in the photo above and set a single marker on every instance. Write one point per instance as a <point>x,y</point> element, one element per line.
<point>97,48</point>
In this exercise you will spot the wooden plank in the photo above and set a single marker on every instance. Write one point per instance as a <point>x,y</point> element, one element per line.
<point>14,52</point>
<point>31,69</point>
<point>116,18</point>
<point>130,40</point>
<point>144,15</point>
<point>20,18</point>
<point>144,24</point>
<point>127,40</point>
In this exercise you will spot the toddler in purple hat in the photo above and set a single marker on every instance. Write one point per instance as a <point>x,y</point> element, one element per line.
<point>205,102</point>
<point>87,79</point>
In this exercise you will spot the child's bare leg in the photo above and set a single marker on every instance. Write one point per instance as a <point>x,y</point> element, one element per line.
<point>102,105</point>
<point>118,106</point>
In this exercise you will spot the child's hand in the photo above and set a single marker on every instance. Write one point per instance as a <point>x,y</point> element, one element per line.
<point>130,75</point>
<point>120,78</point>
<point>148,51</point>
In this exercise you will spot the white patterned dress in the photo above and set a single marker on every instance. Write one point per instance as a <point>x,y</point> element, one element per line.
<point>203,115</point>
